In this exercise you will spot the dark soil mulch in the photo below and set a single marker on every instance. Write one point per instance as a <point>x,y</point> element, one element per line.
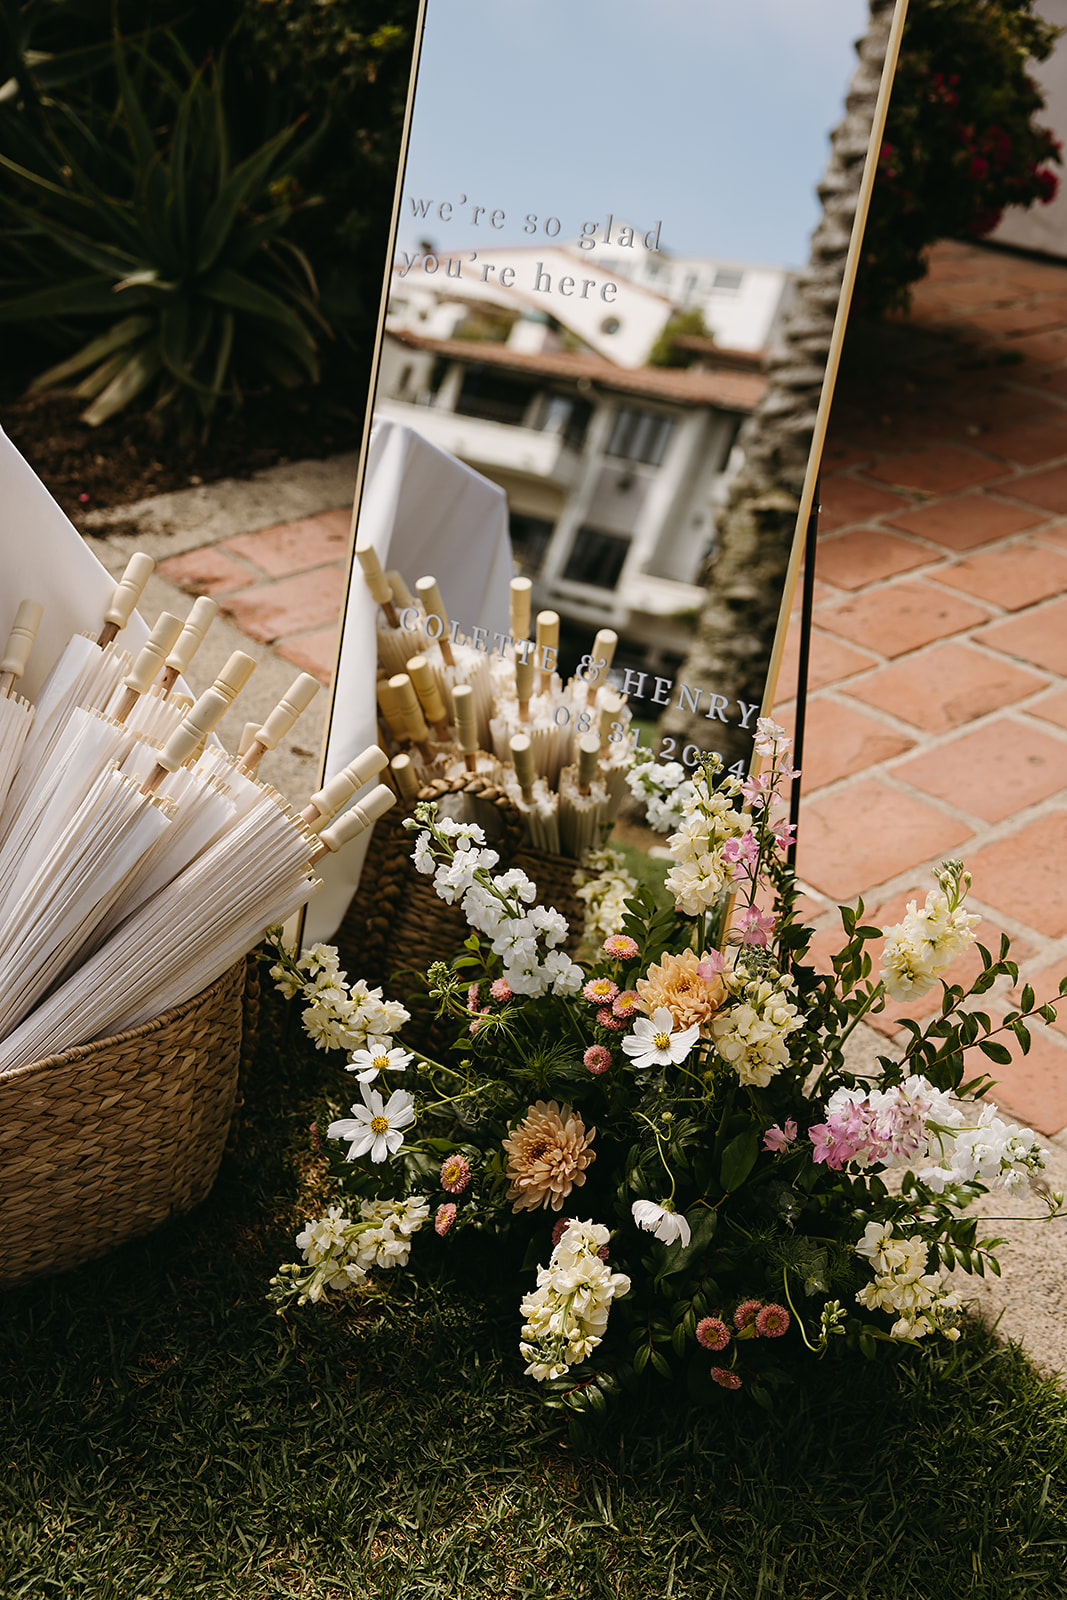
<point>132,456</point>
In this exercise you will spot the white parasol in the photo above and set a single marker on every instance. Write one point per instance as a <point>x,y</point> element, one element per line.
<point>16,714</point>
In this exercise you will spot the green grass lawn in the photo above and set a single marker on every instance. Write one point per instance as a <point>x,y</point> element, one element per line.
<point>165,1433</point>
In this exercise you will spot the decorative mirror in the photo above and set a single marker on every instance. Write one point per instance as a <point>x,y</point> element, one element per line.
<point>602,213</point>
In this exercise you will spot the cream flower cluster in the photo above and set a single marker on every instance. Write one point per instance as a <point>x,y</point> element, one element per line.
<point>903,1285</point>
<point>567,1313</point>
<point>703,867</point>
<point>663,787</point>
<point>750,1035</point>
<point>340,1251</point>
<point>918,949</point>
<point>338,1015</point>
<point>997,1153</point>
<point>604,885</point>
<point>524,935</point>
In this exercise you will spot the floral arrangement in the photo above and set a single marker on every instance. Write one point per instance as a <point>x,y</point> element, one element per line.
<point>668,1139</point>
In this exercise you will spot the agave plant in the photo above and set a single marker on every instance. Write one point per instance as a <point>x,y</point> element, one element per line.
<point>141,218</point>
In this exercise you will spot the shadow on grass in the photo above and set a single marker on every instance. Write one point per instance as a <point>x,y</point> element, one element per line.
<point>166,1434</point>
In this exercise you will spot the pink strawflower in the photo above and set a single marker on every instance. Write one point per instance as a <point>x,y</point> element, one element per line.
<point>597,1058</point>
<point>446,1216</point>
<point>710,964</point>
<point>620,947</point>
<point>606,1018</point>
<point>779,1139</point>
<point>772,1322</point>
<point>500,989</point>
<point>713,1333</point>
<point>472,997</point>
<point>745,1314</point>
<point>600,991</point>
<point>725,1378</point>
<point>625,1004</point>
<point>455,1173</point>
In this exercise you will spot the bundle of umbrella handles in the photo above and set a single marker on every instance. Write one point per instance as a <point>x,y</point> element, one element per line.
<point>138,859</point>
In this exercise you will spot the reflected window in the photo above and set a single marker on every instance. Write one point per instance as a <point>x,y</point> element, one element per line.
<point>640,436</point>
<point>596,558</point>
<point>529,541</point>
<point>493,396</point>
<point>566,417</point>
<point>727,280</point>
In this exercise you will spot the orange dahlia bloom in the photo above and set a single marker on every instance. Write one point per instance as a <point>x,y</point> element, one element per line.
<point>548,1152</point>
<point>675,983</point>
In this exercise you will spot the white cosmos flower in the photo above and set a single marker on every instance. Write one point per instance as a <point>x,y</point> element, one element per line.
<point>375,1126</point>
<point>378,1057</point>
<point>653,1042</point>
<point>665,1223</point>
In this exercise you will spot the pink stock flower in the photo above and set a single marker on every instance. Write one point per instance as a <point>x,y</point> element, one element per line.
<point>743,852</point>
<point>725,1378</point>
<point>500,989</point>
<point>597,1059</point>
<point>620,947</point>
<point>600,991</point>
<point>455,1173</point>
<point>711,964</point>
<point>746,1314</point>
<point>626,1003</point>
<point>606,1018</point>
<point>712,1333</point>
<point>778,1139</point>
<point>772,1322</point>
<point>446,1216</point>
<point>756,926</point>
<point>472,997</point>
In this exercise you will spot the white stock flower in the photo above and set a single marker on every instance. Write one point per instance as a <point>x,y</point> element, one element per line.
<point>666,1223</point>
<point>903,1285</point>
<point>918,949</point>
<point>567,1314</point>
<point>375,1126</point>
<point>654,1043</point>
<point>751,1034</point>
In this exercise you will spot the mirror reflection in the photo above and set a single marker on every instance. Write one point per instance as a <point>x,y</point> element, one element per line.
<point>602,216</point>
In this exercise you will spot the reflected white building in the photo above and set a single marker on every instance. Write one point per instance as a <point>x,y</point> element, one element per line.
<point>612,468</point>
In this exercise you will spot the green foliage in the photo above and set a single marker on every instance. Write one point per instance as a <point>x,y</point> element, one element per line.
<point>179,248</point>
<point>961,140</point>
<point>665,351</point>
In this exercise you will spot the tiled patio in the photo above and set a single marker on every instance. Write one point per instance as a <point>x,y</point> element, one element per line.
<point>937,714</point>
<point>938,694</point>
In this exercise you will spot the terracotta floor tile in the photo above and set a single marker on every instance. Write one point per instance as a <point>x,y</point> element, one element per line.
<point>995,404</point>
<point>1036,317</point>
<point>945,686</point>
<point>1033,1089</point>
<point>1013,577</point>
<point>900,617</point>
<point>204,571</point>
<point>271,611</point>
<point>829,661</point>
<point>992,771</point>
<point>839,741</point>
<point>296,546</point>
<point>866,555</point>
<point>1054,533</point>
<point>970,520</point>
<point>1039,637</point>
<point>1029,443</point>
<point>1047,489</point>
<point>1052,709</point>
<point>940,471</point>
<point>313,652</point>
<point>845,500</point>
<point>867,833</point>
<point>1051,347</point>
<point>1025,874</point>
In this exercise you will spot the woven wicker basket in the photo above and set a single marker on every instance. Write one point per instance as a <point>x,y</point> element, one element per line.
<point>105,1142</point>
